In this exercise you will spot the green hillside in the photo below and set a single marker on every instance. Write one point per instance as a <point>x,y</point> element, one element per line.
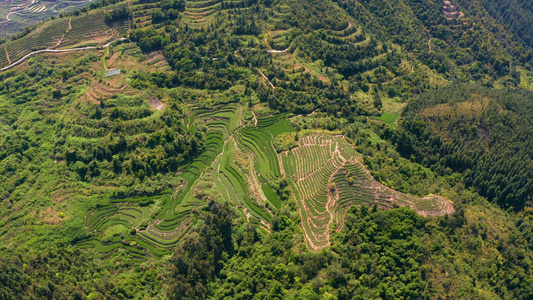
<point>267,149</point>
<point>481,132</point>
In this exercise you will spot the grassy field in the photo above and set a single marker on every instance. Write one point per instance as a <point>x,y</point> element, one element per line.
<point>388,118</point>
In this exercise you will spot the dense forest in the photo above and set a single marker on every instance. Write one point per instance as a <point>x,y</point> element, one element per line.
<point>483,133</point>
<point>270,149</point>
<point>480,252</point>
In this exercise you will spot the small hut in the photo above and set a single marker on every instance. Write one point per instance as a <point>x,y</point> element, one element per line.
<point>113,72</point>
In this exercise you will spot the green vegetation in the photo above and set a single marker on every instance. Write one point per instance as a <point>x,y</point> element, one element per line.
<point>378,254</point>
<point>327,178</point>
<point>388,118</point>
<point>271,195</point>
<point>267,149</point>
<point>483,133</point>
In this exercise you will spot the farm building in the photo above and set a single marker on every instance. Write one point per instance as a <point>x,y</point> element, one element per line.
<point>113,72</point>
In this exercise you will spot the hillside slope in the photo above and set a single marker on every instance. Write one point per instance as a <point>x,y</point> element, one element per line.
<point>484,133</point>
<point>256,148</point>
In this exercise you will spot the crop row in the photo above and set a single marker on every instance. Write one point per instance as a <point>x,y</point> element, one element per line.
<point>313,164</point>
<point>271,195</point>
<point>208,10</point>
<point>269,120</point>
<point>279,127</point>
<point>315,156</point>
<point>235,185</point>
<point>314,189</point>
<point>173,210</point>
<point>355,193</point>
<point>86,26</point>
<point>202,3</point>
<point>432,204</point>
<point>319,170</point>
<point>179,208</point>
<point>314,237</point>
<point>42,38</point>
<point>259,142</point>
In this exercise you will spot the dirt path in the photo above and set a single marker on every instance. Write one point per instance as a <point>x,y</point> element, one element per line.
<point>254,118</point>
<point>332,199</point>
<point>51,51</point>
<point>429,45</point>
<point>266,42</point>
<point>7,17</point>
<point>329,213</point>
<point>277,51</point>
<point>255,186</point>
<point>7,55</point>
<point>61,39</point>
<point>41,51</point>
<point>315,171</point>
<point>107,45</point>
<point>349,25</point>
<point>281,167</point>
<point>223,146</point>
<point>266,78</point>
<point>270,50</point>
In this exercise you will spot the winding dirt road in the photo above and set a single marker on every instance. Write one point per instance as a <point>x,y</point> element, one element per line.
<point>45,50</point>
<point>7,17</point>
<point>55,51</point>
<point>277,51</point>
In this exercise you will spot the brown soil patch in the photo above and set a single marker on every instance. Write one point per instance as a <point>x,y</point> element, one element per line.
<point>154,57</point>
<point>50,216</point>
<point>276,32</point>
<point>156,104</point>
<point>105,89</point>
<point>100,38</point>
<point>112,61</point>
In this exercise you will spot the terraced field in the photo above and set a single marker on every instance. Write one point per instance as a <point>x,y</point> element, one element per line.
<point>239,163</point>
<point>327,177</point>
<point>201,13</point>
<point>236,166</point>
<point>24,13</point>
<point>153,225</point>
<point>42,38</point>
<point>97,32</point>
<point>89,29</point>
